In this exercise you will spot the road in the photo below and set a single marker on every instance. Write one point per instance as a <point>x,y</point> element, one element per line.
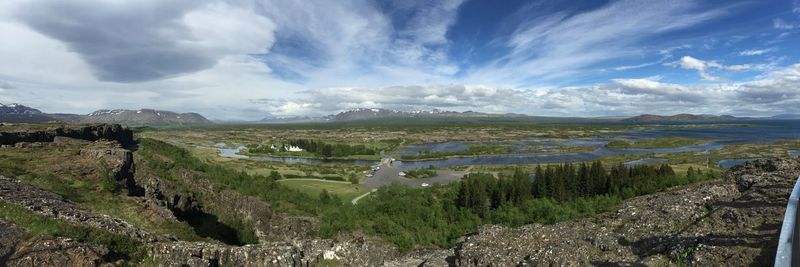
<point>355,200</point>
<point>389,174</point>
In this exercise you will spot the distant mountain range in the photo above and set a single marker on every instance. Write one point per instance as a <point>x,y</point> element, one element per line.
<point>786,117</point>
<point>379,113</point>
<point>681,117</point>
<point>17,113</point>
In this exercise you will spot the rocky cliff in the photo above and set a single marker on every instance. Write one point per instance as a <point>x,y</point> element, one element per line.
<point>53,205</point>
<point>111,132</point>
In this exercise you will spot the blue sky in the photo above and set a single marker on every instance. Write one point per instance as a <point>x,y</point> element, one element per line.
<point>247,59</point>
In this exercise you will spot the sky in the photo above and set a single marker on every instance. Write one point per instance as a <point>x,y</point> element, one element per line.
<point>250,59</point>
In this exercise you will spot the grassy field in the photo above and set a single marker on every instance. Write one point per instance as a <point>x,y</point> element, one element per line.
<point>664,142</point>
<point>263,167</point>
<point>472,150</point>
<point>345,190</point>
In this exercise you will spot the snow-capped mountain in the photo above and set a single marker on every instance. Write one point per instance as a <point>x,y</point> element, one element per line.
<point>19,113</point>
<point>18,109</point>
<point>380,113</point>
<point>363,114</point>
<point>144,117</point>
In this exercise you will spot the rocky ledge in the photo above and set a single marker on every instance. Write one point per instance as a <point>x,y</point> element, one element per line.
<point>346,249</point>
<point>110,132</point>
<point>52,205</point>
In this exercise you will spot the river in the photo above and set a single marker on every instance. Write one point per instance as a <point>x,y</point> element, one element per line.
<point>765,131</point>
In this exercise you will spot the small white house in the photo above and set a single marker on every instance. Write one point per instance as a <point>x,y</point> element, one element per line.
<point>293,148</point>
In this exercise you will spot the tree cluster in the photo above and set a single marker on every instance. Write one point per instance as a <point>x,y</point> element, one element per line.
<point>568,182</point>
<point>319,148</point>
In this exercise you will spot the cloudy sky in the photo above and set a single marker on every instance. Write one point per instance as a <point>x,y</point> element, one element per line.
<point>246,59</point>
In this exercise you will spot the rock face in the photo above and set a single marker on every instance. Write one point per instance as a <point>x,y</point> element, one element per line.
<point>111,132</point>
<point>54,206</point>
<point>351,251</point>
<point>58,252</point>
<point>735,221</point>
<point>119,162</point>
<point>188,194</point>
<point>9,238</point>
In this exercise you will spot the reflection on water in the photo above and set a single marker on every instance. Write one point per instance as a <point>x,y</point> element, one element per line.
<point>227,152</point>
<point>793,153</point>
<point>761,132</point>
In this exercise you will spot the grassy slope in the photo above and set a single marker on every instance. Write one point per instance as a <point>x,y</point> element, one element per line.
<point>62,171</point>
<point>344,190</point>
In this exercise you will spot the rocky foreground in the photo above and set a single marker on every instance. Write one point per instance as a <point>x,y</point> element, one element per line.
<point>734,221</point>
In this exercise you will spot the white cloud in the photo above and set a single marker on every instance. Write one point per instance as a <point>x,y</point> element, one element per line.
<point>796,6</point>
<point>756,52</point>
<point>781,24</point>
<point>59,69</point>
<point>704,67</point>
<point>457,97</point>
<point>148,40</point>
<point>777,93</point>
<point>81,55</point>
<point>687,62</point>
<point>563,44</point>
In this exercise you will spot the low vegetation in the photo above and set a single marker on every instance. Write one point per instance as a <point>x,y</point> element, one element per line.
<point>472,150</point>
<point>664,142</point>
<point>421,173</point>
